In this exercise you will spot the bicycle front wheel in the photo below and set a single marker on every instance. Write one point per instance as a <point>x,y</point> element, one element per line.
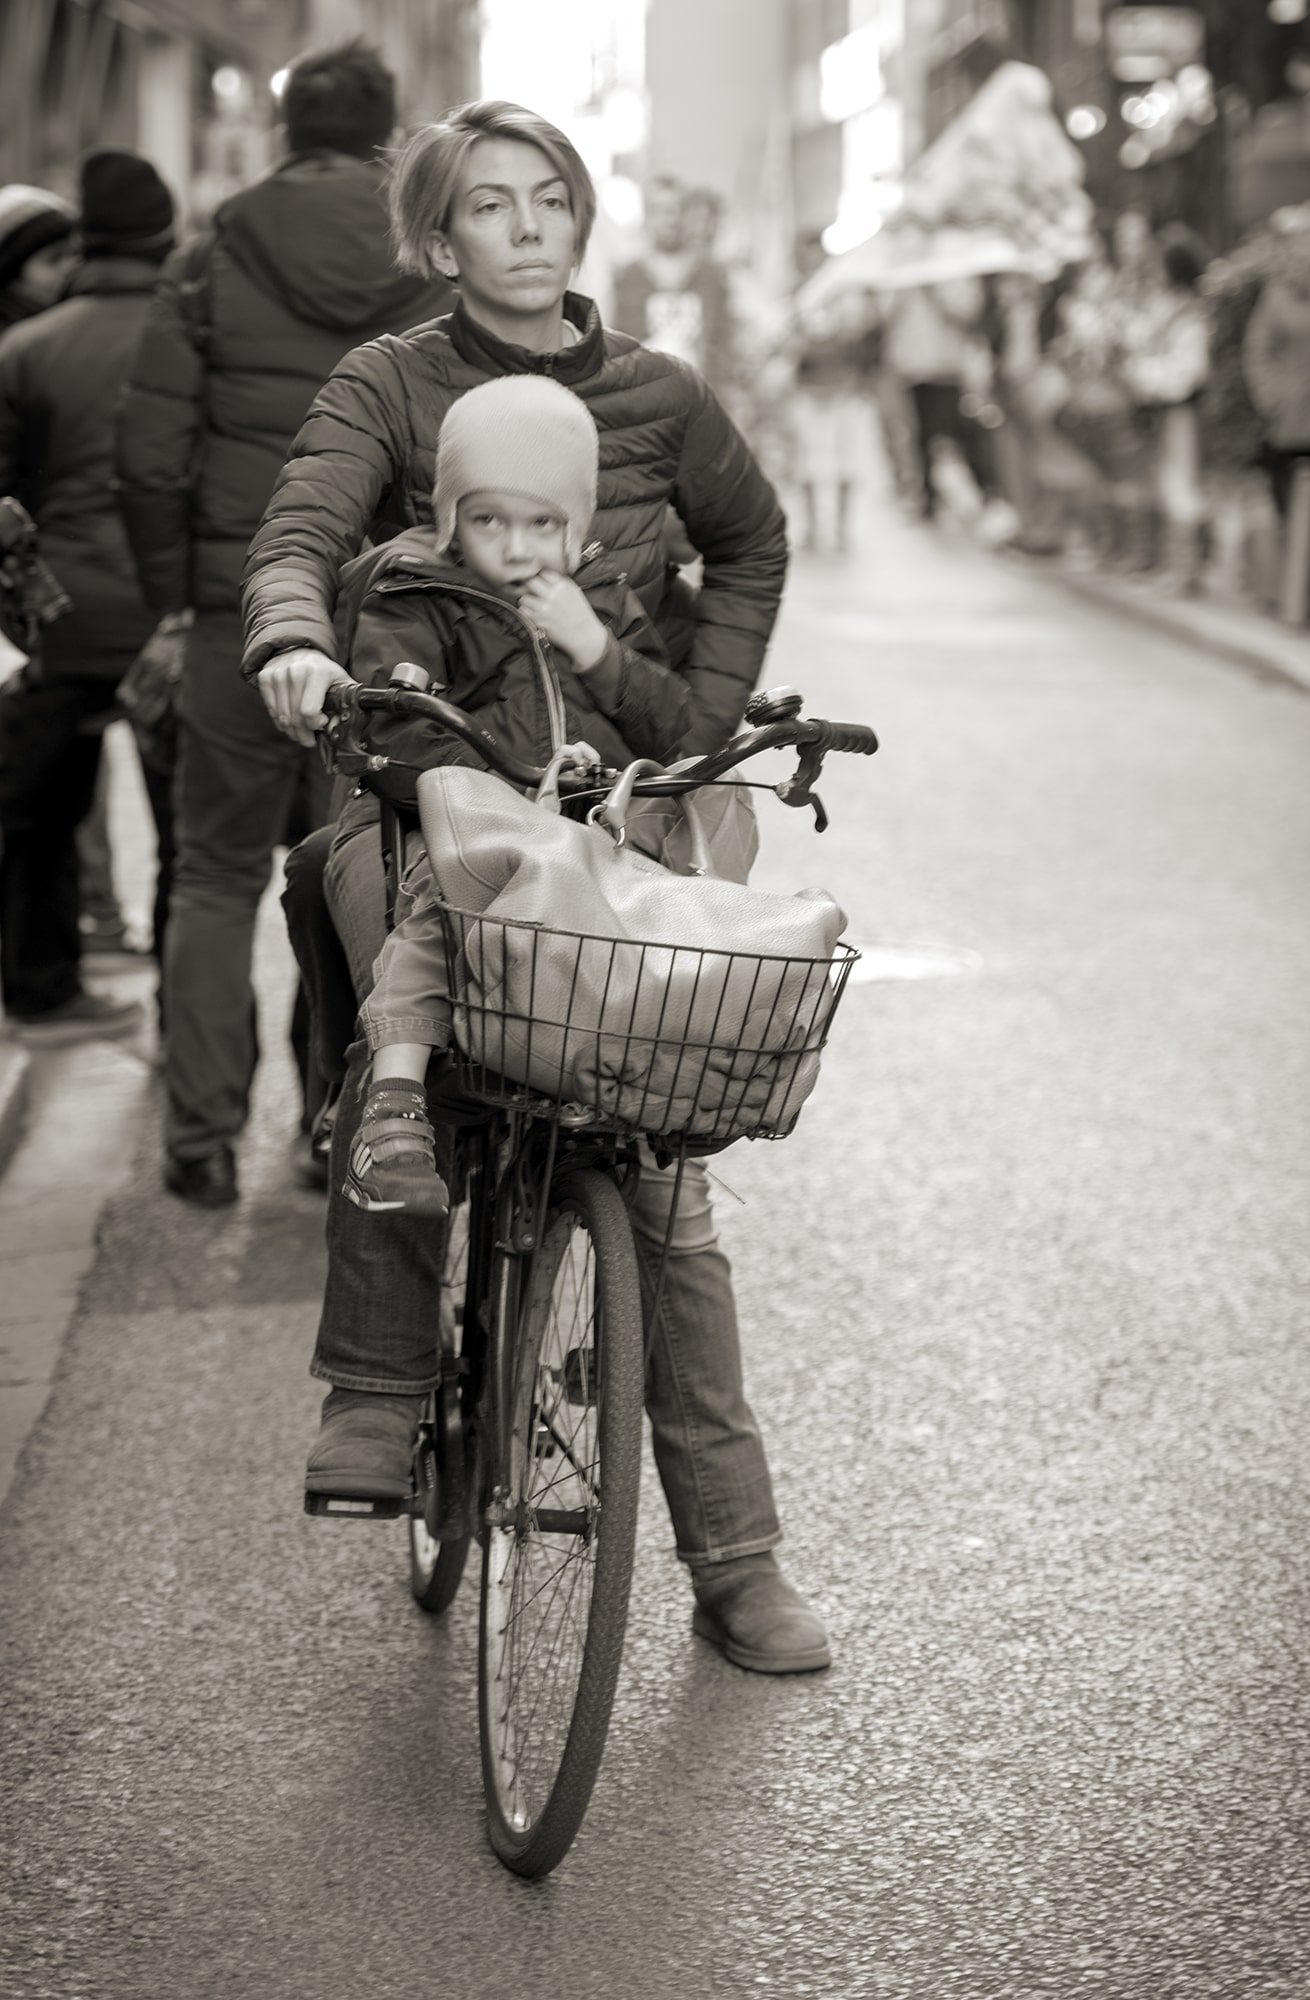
<point>561,1528</point>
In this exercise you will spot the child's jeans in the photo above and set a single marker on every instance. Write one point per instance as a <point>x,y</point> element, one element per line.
<point>410,997</point>
<point>378,1325</point>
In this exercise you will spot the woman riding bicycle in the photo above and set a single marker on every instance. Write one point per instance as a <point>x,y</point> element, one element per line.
<point>498,201</point>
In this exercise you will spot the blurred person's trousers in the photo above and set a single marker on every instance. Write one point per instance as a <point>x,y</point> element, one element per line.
<point>101,912</point>
<point>1281,466</point>
<point>378,1323</point>
<point>241,790</point>
<point>51,738</point>
<point>938,415</point>
<point>95,857</point>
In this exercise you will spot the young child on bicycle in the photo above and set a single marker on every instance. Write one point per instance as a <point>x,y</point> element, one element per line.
<point>503,596</point>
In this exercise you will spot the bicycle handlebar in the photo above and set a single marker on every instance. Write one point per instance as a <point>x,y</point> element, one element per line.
<point>812,736</point>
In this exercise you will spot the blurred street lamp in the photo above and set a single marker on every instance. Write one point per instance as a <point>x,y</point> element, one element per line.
<point>1085,121</point>
<point>277,83</point>
<point>623,115</point>
<point>1288,13</point>
<point>620,197</point>
<point>1134,153</point>
<point>229,84</point>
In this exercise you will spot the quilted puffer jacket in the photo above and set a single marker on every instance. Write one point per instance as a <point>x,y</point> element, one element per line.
<point>366,455</point>
<point>399,602</point>
<point>248,323</point>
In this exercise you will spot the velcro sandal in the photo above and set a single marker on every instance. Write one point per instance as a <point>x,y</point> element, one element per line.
<point>393,1160</point>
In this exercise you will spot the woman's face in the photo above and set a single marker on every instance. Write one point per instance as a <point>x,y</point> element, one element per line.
<point>46,272</point>
<point>512,236</point>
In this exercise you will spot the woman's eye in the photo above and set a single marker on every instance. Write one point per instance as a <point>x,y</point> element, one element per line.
<point>554,201</point>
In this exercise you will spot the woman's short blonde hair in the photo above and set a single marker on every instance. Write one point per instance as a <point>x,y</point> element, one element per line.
<point>425,174</point>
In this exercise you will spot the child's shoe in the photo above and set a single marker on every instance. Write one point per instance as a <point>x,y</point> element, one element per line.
<point>365,1446</point>
<point>393,1160</point>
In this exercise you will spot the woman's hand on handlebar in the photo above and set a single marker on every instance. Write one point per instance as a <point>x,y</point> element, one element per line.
<point>293,685</point>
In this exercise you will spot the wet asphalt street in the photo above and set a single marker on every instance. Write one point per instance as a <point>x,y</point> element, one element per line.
<point>1025,1307</point>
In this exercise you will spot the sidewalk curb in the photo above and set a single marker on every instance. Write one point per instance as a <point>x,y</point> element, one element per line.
<point>51,1202</point>
<point>1243,638</point>
<point>15,1078</point>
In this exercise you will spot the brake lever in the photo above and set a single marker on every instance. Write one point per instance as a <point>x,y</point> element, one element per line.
<point>341,743</point>
<point>798,790</point>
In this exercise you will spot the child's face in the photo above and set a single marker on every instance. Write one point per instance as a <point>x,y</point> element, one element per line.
<point>508,539</point>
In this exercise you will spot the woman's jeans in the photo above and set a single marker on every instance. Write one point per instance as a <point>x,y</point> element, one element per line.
<point>378,1326</point>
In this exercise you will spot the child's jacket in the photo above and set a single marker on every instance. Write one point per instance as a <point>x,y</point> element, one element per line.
<point>399,602</point>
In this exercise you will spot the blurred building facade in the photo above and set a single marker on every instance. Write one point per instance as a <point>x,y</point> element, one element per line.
<point>1198,112</point>
<point>187,82</point>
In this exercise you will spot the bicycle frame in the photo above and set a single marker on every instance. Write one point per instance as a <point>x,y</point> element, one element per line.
<point>510,1156</point>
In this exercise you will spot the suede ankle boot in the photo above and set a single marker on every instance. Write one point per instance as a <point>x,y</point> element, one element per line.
<point>365,1445</point>
<point>758,1620</point>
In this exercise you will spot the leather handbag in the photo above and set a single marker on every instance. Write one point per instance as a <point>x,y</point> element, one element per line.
<point>594,975</point>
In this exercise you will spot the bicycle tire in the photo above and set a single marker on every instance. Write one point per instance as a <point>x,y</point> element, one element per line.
<point>436,1568</point>
<point>579,1405</point>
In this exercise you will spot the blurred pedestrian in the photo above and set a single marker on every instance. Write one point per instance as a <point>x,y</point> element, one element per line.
<point>1276,362</point>
<point>61,372</point>
<point>1165,365</point>
<point>1132,307</point>
<point>675,297</point>
<point>248,323</point>
<point>933,342</point>
<point>834,439</point>
<point>37,251</point>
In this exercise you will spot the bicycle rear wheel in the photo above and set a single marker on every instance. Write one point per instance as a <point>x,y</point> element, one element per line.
<point>557,1556</point>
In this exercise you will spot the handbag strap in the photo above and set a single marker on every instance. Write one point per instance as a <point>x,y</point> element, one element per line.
<point>613,813</point>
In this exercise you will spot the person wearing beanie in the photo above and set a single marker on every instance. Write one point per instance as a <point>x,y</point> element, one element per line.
<point>248,322</point>
<point>36,250</point>
<point>126,209</point>
<point>61,374</point>
<point>523,604</point>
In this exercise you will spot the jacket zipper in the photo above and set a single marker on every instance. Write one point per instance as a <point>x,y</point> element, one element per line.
<point>556,718</point>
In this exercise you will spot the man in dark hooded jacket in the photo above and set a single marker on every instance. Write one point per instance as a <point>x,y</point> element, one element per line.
<point>61,372</point>
<point>247,325</point>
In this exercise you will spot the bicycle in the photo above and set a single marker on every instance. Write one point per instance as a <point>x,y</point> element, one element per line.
<point>531,1441</point>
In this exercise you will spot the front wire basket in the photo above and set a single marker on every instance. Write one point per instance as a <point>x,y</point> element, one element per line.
<point>603,1034</point>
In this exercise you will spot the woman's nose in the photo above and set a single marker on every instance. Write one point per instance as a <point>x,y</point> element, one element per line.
<point>527,229</point>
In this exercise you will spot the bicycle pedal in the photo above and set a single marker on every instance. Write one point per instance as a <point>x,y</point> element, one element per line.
<point>341,1507</point>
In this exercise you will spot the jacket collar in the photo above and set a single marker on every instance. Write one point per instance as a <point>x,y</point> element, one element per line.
<point>477,344</point>
<point>99,275</point>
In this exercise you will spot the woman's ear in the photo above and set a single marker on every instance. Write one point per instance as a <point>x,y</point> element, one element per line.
<point>441,258</point>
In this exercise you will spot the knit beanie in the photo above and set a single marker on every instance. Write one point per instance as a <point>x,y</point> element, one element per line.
<point>126,209</point>
<point>30,220</point>
<point>519,434</point>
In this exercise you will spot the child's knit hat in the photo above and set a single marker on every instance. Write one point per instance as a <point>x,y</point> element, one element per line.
<point>520,434</point>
